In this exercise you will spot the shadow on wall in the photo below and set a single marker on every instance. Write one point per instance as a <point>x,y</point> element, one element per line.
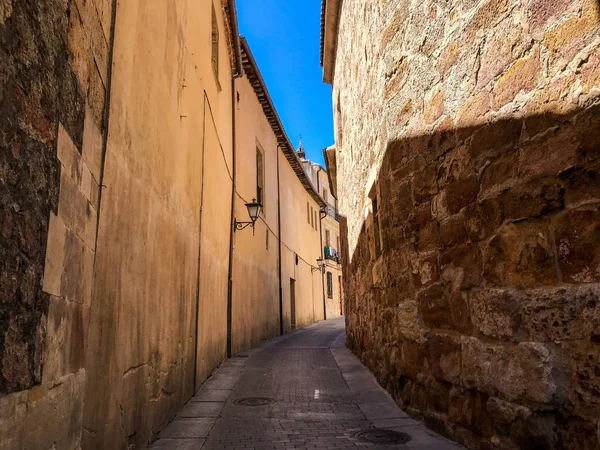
<point>475,287</point>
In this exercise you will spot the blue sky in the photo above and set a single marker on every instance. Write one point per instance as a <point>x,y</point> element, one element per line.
<point>284,36</point>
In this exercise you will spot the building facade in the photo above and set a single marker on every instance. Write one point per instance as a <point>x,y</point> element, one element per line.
<point>329,226</point>
<point>130,137</point>
<point>467,167</point>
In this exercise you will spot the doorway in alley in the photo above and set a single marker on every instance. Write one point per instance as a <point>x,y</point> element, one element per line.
<point>293,303</point>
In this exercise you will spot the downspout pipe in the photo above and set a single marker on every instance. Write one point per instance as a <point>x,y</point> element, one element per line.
<point>232,223</point>
<point>279,248</point>
<point>238,72</point>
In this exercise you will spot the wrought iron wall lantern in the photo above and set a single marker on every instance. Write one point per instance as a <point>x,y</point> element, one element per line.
<point>253,212</point>
<point>320,266</point>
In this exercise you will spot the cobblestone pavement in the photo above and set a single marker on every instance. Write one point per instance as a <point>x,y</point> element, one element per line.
<point>306,391</point>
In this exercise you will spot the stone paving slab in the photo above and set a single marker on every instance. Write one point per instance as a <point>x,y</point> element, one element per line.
<point>313,393</point>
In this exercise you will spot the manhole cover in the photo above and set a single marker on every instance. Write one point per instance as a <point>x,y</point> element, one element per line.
<point>382,437</point>
<point>254,401</point>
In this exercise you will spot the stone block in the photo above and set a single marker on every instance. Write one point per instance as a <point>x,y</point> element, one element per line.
<point>467,408</point>
<point>461,193</point>
<point>474,110</point>
<point>496,312</point>
<point>429,236</point>
<point>435,307</point>
<point>86,182</point>
<point>444,355</point>
<point>535,198</point>
<point>452,231</point>
<point>581,183</point>
<point>68,155</point>
<point>92,145</point>
<point>482,219</point>
<point>563,313</point>
<point>55,255</point>
<point>529,371</point>
<point>424,184</point>
<point>54,414</point>
<point>543,12</point>
<point>505,45</point>
<point>77,278</point>
<point>448,57</point>
<point>590,72</point>
<point>414,361</point>
<point>561,143</point>
<point>577,234</point>
<point>65,343</point>
<point>523,75</point>
<point>586,124</point>
<point>491,141</point>
<point>584,383</point>
<point>520,255</point>
<point>462,266</point>
<point>425,269</point>
<point>486,16</point>
<point>505,413</point>
<point>565,40</point>
<point>548,108</point>
<point>78,48</point>
<point>434,107</point>
<point>500,174</point>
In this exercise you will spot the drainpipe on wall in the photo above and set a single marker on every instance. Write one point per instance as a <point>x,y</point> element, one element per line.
<point>279,249</point>
<point>237,74</point>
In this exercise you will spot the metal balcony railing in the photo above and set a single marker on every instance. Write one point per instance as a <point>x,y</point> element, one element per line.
<point>332,212</point>
<point>332,254</point>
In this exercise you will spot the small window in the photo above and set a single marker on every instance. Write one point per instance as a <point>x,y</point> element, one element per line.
<point>316,222</point>
<point>267,240</point>
<point>338,243</point>
<point>328,238</point>
<point>215,44</point>
<point>329,285</point>
<point>260,178</point>
<point>308,212</point>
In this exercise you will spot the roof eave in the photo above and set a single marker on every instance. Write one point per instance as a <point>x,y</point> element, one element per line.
<point>329,156</point>
<point>330,15</point>
<point>260,88</point>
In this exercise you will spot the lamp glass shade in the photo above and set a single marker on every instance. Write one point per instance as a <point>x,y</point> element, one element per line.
<point>319,261</point>
<point>253,209</point>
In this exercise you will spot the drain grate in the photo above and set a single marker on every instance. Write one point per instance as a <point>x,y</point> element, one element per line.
<point>382,437</point>
<point>254,401</point>
<point>241,356</point>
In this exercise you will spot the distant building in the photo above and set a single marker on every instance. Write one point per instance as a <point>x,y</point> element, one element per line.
<point>330,237</point>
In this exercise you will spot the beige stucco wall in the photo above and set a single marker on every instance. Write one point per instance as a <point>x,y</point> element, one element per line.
<point>328,223</point>
<point>143,318</point>
<point>302,239</point>
<point>255,301</point>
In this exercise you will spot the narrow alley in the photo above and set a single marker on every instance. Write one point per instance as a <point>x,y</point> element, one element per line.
<point>303,390</point>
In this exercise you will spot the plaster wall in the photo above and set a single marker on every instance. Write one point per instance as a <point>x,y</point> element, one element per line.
<point>302,239</point>
<point>255,312</point>
<point>169,136</point>
<point>467,168</point>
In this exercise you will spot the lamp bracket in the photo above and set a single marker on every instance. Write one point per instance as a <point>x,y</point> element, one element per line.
<point>239,226</point>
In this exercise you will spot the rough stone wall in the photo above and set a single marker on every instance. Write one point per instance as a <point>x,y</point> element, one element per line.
<point>468,174</point>
<point>53,71</point>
